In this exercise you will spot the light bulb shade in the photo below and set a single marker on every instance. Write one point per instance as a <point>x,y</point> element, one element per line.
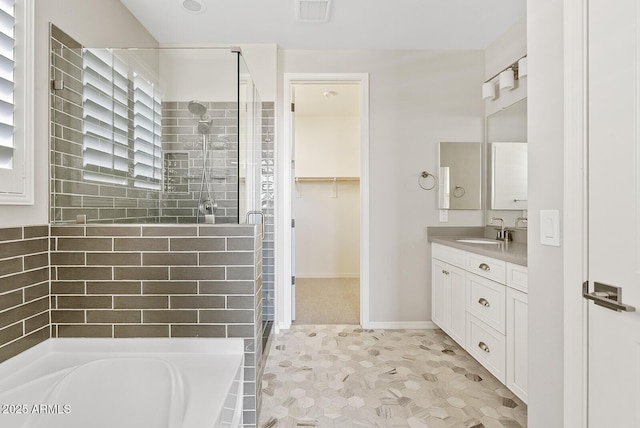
<point>488,90</point>
<point>507,79</point>
<point>522,67</point>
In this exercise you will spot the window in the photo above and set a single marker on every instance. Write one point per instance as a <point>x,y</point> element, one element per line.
<point>16,107</point>
<point>147,133</point>
<point>105,114</point>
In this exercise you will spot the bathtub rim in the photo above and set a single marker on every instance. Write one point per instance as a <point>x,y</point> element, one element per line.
<point>215,346</point>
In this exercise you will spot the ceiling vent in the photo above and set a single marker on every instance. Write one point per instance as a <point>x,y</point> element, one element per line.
<point>312,10</point>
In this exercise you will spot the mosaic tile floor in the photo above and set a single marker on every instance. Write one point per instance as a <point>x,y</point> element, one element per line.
<point>344,376</point>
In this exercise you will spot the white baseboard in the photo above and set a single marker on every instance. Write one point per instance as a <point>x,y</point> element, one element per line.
<point>401,325</point>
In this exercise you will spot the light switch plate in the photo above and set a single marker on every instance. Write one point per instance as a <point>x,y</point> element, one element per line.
<point>550,227</point>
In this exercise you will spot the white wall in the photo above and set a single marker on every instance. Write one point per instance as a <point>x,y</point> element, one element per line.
<point>95,23</point>
<point>192,68</point>
<point>327,146</point>
<point>546,171</point>
<point>417,99</point>
<point>327,230</point>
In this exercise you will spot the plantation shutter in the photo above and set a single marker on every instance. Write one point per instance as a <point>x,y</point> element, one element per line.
<point>7,82</point>
<point>147,132</point>
<point>105,113</point>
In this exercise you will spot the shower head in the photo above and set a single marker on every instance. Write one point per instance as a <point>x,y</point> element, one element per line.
<point>197,108</point>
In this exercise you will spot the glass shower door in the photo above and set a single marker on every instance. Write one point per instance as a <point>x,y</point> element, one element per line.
<point>250,148</point>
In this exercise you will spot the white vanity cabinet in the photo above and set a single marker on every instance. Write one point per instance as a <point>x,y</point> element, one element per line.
<point>481,302</point>
<point>448,282</point>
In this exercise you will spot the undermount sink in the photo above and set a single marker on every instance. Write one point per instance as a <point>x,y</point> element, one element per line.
<point>479,241</point>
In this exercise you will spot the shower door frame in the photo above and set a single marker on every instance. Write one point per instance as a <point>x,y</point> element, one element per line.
<point>284,247</point>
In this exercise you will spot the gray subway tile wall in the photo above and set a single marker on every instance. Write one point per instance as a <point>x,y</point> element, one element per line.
<point>24,289</point>
<point>183,156</point>
<point>71,195</point>
<point>138,283</point>
<point>72,303</point>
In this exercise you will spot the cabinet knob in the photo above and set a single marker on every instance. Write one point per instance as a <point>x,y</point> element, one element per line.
<point>485,267</point>
<point>484,302</point>
<point>484,347</point>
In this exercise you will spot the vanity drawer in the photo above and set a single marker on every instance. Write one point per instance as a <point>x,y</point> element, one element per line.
<point>487,346</point>
<point>486,300</point>
<point>450,255</point>
<point>517,277</point>
<point>486,266</point>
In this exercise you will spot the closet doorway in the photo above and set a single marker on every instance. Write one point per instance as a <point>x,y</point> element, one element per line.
<point>326,202</point>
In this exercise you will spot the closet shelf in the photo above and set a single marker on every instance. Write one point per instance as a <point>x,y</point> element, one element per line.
<point>302,179</point>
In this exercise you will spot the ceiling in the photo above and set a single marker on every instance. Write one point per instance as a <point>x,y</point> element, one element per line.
<point>353,24</point>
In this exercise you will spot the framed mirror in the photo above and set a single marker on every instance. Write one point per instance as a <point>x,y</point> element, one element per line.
<point>507,160</point>
<point>460,176</point>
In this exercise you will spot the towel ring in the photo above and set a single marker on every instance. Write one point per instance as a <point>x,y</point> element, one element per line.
<point>459,192</point>
<point>424,176</point>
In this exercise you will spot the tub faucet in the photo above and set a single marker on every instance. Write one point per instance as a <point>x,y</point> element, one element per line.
<point>500,235</point>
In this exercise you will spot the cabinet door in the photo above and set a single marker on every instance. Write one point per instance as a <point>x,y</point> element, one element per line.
<point>458,307</point>
<point>448,299</point>
<point>517,363</point>
<point>441,295</point>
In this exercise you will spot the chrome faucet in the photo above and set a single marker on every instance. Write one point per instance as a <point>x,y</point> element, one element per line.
<point>524,220</point>
<point>500,235</point>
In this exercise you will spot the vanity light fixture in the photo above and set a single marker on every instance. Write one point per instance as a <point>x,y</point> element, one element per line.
<point>523,68</point>
<point>193,6</point>
<point>506,78</point>
<point>488,90</point>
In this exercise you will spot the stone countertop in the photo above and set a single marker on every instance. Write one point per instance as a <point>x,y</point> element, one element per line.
<point>512,252</point>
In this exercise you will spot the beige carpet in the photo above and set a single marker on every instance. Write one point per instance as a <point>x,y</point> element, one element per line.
<point>327,301</point>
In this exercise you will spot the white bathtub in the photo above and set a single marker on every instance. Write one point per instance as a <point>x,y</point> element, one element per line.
<point>124,383</point>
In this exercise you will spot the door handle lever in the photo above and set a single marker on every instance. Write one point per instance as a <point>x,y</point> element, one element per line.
<point>606,296</point>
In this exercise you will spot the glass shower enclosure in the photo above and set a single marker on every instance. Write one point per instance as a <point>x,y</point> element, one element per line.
<point>167,135</point>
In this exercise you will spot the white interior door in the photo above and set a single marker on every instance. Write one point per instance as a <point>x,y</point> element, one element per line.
<point>292,136</point>
<point>614,211</point>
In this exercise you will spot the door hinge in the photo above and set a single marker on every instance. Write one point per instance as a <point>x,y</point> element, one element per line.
<point>293,222</point>
<point>293,280</point>
<point>293,107</point>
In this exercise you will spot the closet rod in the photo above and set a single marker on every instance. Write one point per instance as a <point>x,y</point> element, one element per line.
<point>300,179</point>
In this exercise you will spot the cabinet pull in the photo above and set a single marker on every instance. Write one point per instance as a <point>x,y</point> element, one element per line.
<point>484,302</point>
<point>484,347</point>
<point>485,267</point>
<point>445,272</point>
